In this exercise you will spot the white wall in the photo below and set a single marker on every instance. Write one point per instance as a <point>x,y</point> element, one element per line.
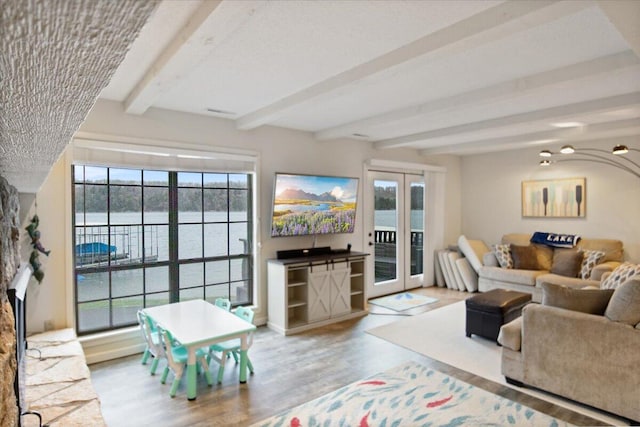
<point>491,195</point>
<point>280,150</point>
<point>50,301</point>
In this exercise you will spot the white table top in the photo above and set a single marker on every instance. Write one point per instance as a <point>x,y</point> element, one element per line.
<point>198,321</point>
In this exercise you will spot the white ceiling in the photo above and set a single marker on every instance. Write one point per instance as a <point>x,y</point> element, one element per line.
<point>457,77</point>
<point>440,76</point>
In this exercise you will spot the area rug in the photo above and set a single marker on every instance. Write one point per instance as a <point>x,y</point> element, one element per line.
<point>410,395</point>
<point>402,301</point>
<point>440,335</point>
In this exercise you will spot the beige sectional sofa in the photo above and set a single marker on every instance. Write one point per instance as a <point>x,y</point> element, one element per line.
<point>591,357</point>
<point>491,275</point>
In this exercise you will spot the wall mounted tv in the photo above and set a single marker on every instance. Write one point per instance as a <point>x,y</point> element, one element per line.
<point>313,204</point>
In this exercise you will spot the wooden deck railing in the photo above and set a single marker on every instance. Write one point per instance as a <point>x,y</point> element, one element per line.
<point>385,251</point>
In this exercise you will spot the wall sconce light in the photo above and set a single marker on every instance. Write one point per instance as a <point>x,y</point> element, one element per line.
<point>596,155</point>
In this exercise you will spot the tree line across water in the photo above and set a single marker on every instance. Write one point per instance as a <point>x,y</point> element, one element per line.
<point>120,198</point>
<point>385,198</point>
<point>124,198</point>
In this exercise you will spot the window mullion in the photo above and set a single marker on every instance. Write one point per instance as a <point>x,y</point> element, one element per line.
<point>174,273</point>
<point>108,184</point>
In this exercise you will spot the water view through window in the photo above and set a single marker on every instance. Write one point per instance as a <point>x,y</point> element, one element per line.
<point>144,238</point>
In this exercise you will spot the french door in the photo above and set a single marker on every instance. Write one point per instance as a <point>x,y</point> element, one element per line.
<point>395,231</point>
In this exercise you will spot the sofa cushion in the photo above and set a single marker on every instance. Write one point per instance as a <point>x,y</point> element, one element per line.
<point>624,305</point>
<point>510,335</point>
<point>621,274</point>
<point>591,301</point>
<point>519,239</point>
<point>545,256</point>
<point>524,257</point>
<point>590,260</point>
<point>613,249</point>
<point>604,269</point>
<point>510,275</point>
<point>489,259</point>
<point>570,282</point>
<point>503,254</point>
<point>567,262</point>
<point>467,274</point>
<point>473,250</point>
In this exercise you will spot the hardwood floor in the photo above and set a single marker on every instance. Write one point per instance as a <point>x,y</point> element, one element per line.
<point>288,371</point>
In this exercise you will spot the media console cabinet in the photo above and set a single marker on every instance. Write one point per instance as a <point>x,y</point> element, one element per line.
<point>311,291</point>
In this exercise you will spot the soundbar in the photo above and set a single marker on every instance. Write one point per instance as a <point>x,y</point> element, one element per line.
<point>299,253</point>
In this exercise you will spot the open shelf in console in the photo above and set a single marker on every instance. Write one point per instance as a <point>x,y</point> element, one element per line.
<point>358,300</point>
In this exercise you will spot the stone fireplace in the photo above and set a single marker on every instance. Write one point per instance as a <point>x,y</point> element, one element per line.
<point>9,263</point>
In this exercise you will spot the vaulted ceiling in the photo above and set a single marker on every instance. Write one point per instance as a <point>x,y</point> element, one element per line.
<point>458,77</point>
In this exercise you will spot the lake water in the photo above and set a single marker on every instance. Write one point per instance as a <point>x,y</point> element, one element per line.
<point>128,238</point>
<point>386,220</point>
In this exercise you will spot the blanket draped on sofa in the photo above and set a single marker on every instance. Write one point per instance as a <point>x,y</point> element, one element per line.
<point>554,239</point>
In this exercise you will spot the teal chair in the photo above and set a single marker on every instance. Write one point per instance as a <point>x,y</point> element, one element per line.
<point>232,347</point>
<point>223,303</point>
<point>153,343</point>
<point>177,356</point>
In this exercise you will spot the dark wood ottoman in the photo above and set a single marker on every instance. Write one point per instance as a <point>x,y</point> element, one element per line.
<point>488,311</point>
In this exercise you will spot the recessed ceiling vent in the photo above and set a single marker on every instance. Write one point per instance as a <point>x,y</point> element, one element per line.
<point>359,135</point>
<point>216,111</point>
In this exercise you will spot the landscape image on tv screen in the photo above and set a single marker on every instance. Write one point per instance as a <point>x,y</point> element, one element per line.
<point>311,204</point>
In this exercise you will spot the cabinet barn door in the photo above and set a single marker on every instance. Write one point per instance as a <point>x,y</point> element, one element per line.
<point>340,289</point>
<point>319,298</point>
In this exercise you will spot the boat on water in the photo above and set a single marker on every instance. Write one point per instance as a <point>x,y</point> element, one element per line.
<point>97,252</point>
<point>96,247</point>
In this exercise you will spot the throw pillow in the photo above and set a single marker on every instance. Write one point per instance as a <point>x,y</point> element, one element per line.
<point>567,262</point>
<point>524,257</point>
<point>592,301</point>
<point>625,303</point>
<point>621,274</point>
<point>503,254</point>
<point>590,260</point>
<point>545,256</point>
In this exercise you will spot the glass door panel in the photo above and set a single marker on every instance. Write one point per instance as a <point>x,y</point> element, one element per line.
<point>385,220</point>
<point>385,226</point>
<point>415,240</point>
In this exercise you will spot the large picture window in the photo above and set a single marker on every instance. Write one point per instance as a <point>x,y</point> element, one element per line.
<point>145,238</point>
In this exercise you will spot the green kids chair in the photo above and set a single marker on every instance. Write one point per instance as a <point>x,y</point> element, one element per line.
<point>233,346</point>
<point>177,355</point>
<point>152,340</point>
<point>223,303</point>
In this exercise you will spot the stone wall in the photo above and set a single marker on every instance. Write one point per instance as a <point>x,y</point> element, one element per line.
<point>9,262</point>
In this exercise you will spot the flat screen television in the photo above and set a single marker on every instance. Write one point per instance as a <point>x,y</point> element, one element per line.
<point>313,204</point>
